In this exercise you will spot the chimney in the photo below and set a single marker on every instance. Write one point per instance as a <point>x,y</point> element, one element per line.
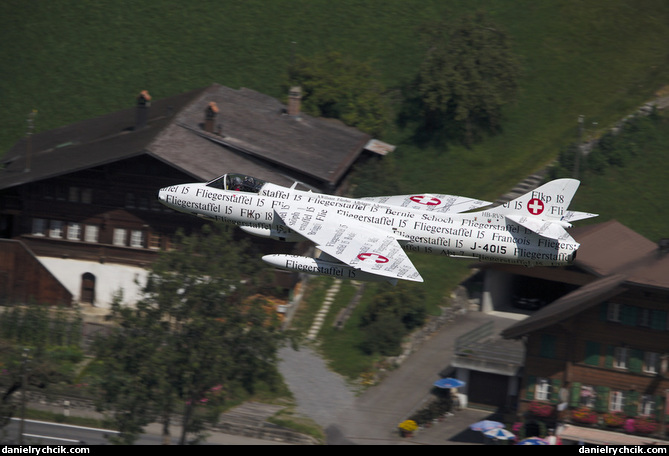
<point>294,101</point>
<point>143,105</point>
<point>210,117</point>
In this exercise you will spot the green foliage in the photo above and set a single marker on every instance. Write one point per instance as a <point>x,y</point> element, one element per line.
<point>468,75</point>
<point>195,336</point>
<point>337,86</point>
<point>614,149</point>
<point>40,327</point>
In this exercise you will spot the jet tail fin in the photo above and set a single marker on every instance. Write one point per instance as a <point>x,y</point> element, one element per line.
<point>549,202</point>
<point>545,209</point>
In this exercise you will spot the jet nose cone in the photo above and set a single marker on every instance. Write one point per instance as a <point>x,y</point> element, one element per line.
<point>161,194</point>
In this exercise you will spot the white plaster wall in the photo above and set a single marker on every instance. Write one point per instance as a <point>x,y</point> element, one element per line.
<point>109,278</point>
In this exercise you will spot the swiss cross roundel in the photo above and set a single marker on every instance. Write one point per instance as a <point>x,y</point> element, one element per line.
<point>373,256</point>
<point>535,206</point>
<point>426,200</point>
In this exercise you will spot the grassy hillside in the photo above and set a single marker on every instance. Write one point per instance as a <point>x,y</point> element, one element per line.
<point>73,60</point>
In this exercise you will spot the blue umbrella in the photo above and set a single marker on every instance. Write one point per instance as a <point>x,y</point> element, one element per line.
<point>533,441</point>
<point>449,382</point>
<point>486,425</point>
<point>499,434</point>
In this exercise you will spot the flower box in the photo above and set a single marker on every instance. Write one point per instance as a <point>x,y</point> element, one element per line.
<point>645,425</point>
<point>614,419</point>
<point>584,415</point>
<point>540,409</point>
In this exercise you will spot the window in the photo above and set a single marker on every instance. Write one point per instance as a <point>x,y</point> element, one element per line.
<point>588,396</point>
<point>542,390</point>
<point>39,227</point>
<point>617,401</point>
<point>136,238</point>
<point>154,241</point>
<point>86,196</point>
<point>647,405</point>
<point>613,311</point>
<point>119,236</point>
<point>73,231</point>
<point>91,233</point>
<point>620,357</point>
<point>644,317</point>
<point>74,194</point>
<point>651,362</point>
<point>56,229</point>
<point>130,200</point>
<point>143,203</point>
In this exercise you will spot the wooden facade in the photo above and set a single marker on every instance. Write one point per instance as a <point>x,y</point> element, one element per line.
<point>85,194</point>
<point>108,213</point>
<point>599,355</point>
<point>23,279</point>
<point>611,358</point>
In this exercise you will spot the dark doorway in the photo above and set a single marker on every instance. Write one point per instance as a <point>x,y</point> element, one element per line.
<point>87,288</point>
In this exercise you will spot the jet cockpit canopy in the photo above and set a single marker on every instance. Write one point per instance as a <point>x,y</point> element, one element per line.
<point>237,182</point>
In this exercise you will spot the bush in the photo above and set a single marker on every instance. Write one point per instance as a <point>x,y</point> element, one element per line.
<point>383,336</point>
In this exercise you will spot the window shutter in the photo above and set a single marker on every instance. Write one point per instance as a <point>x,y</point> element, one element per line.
<point>636,361</point>
<point>631,407</point>
<point>629,315</point>
<point>575,396</point>
<point>608,360</point>
<point>659,408</point>
<point>555,391</point>
<point>592,350</point>
<point>602,399</point>
<point>658,320</point>
<point>547,349</point>
<point>604,311</point>
<point>529,391</point>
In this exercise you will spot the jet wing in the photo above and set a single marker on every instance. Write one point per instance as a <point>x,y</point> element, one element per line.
<point>352,242</point>
<point>572,216</point>
<point>431,202</point>
<point>543,228</point>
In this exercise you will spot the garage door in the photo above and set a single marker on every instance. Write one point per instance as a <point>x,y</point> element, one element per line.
<point>488,389</point>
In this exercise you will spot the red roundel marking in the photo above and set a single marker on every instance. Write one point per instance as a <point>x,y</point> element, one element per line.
<point>427,201</point>
<point>535,206</point>
<point>379,258</point>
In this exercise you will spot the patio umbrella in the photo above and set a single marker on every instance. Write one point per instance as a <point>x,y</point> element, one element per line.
<point>449,382</point>
<point>500,434</point>
<point>486,425</point>
<point>533,441</point>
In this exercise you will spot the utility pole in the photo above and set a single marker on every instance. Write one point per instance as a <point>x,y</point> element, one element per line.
<point>23,395</point>
<point>31,127</point>
<point>577,157</point>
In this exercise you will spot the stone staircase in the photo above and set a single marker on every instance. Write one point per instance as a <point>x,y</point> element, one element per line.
<point>530,183</point>
<point>250,420</point>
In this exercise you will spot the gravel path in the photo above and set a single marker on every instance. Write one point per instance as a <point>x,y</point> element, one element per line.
<point>371,417</point>
<point>320,393</point>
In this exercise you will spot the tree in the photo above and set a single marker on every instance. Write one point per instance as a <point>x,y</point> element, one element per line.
<point>469,73</point>
<point>191,341</point>
<point>340,87</point>
<point>39,346</point>
<point>392,313</point>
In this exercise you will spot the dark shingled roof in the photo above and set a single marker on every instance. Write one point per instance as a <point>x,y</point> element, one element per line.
<point>618,257</point>
<point>258,138</point>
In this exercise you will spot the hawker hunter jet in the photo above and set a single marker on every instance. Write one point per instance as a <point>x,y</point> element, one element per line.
<point>369,238</point>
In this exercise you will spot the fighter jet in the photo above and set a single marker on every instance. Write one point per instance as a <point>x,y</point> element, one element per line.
<point>370,238</point>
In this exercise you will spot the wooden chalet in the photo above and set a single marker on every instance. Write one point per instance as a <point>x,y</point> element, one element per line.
<point>82,198</point>
<point>598,354</point>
